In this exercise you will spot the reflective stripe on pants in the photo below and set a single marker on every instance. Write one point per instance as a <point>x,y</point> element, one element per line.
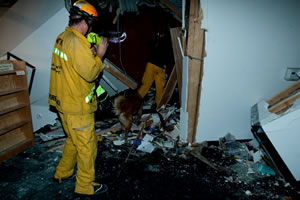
<point>80,149</point>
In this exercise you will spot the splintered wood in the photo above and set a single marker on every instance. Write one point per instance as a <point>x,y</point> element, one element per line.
<point>285,99</point>
<point>195,53</point>
<point>115,71</point>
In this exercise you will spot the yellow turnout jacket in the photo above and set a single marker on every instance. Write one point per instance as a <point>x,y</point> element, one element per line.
<point>73,71</point>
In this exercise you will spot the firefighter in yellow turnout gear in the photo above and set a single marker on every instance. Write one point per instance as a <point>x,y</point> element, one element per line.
<point>73,71</point>
<point>160,57</point>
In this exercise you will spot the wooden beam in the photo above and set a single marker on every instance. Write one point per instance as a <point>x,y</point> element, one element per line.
<point>169,89</point>
<point>277,98</point>
<point>195,51</point>
<point>175,34</point>
<point>284,104</point>
<point>172,7</point>
<point>111,68</point>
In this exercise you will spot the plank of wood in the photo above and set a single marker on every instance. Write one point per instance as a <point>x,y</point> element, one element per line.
<point>172,7</point>
<point>175,33</point>
<point>169,89</point>
<point>195,50</point>
<point>284,104</point>
<point>204,160</point>
<point>109,67</point>
<point>283,94</point>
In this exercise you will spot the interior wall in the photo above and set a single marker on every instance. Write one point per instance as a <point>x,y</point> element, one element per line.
<point>37,50</point>
<point>23,18</point>
<point>249,45</point>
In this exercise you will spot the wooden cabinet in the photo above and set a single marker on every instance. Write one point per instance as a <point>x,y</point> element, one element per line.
<point>16,133</point>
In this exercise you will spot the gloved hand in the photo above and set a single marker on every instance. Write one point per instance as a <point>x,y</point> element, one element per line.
<point>102,47</point>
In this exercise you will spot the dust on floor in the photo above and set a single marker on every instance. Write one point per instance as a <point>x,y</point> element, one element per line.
<point>173,173</point>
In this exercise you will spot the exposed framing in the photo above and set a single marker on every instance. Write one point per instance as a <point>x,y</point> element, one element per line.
<point>195,53</point>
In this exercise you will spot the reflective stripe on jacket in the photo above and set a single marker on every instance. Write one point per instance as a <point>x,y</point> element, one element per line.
<point>73,71</point>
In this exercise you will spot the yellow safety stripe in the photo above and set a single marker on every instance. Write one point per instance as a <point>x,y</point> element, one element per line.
<point>60,54</point>
<point>99,91</point>
<point>90,96</point>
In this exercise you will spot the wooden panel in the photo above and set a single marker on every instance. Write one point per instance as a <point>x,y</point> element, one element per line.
<point>12,138</point>
<point>169,89</point>
<point>175,33</point>
<point>16,133</point>
<point>12,100</point>
<point>109,67</point>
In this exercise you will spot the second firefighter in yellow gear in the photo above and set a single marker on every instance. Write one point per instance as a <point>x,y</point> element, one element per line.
<point>160,57</point>
<point>152,74</point>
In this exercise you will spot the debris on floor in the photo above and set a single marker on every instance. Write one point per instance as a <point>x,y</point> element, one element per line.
<point>155,164</point>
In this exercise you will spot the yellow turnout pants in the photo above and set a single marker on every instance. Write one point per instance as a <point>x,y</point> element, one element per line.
<point>80,149</point>
<point>153,73</point>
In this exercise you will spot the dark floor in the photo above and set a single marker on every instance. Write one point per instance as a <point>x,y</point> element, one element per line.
<point>163,174</point>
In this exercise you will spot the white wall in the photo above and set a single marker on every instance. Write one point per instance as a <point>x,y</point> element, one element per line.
<point>37,50</point>
<point>35,27</point>
<point>249,45</point>
<point>22,19</point>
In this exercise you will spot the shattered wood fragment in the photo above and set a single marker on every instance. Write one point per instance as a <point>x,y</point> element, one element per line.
<point>109,67</point>
<point>55,148</point>
<point>203,159</point>
<point>169,89</point>
<point>277,98</point>
<point>172,7</point>
<point>284,104</point>
<point>175,34</point>
<point>285,99</point>
<point>109,130</point>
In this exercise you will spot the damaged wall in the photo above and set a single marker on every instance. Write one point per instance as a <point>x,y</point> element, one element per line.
<point>37,48</point>
<point>249,45</point>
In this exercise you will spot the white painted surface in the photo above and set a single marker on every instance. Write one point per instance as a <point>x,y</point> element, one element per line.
<point>183,113</point>
<point>23,18</point>
<point>41,44</point>
<point>36,49</point>
<point>249,45</point>
<point>283,133</point>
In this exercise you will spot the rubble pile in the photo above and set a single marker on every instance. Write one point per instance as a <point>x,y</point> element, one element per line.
<point>155,164</point>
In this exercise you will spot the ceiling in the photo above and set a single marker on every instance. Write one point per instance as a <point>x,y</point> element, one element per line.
<point>5,5</point>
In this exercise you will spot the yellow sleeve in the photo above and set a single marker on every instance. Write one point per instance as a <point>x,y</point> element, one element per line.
<point>85,63</point>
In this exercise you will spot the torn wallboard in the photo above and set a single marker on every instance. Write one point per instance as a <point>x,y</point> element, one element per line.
<point>115,80</point>
<point>276,124</point>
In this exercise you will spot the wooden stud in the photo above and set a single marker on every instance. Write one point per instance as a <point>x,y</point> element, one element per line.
<point>175,33</point>
<point>169,89</point>
<point>195,51</point>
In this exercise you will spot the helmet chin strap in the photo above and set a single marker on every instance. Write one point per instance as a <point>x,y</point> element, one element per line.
<point>89,27</point>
